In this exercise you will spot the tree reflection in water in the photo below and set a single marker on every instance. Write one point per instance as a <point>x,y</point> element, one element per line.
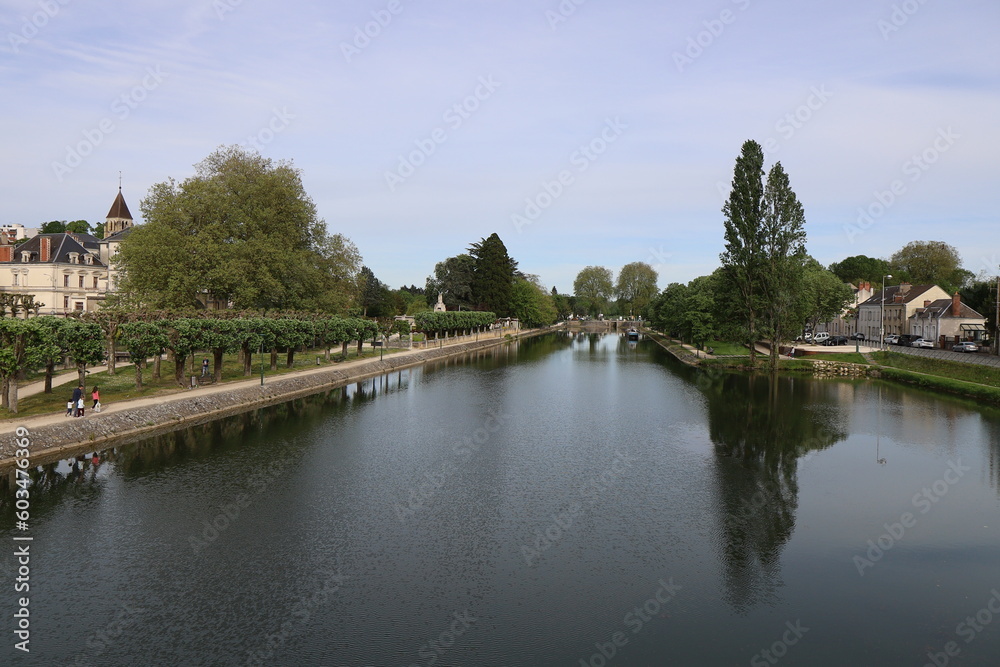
<point>761,426</point>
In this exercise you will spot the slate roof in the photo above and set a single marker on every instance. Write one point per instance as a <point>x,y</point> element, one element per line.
<point>119,209</point>
<point>935,308</point>
<point>62,246</point>
<point>890,295</point>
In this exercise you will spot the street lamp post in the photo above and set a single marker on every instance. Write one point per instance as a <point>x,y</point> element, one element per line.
<point>881,335</point>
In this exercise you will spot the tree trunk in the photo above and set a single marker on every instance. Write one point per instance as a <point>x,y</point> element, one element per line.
<point>3,392</point>
<point>81,370</point>
<point>274,359</point>
<point>343,349</point>
<point>247,358</point>
<point>112,348</point>
<point>12,396</point>
<point>291,357</point>
<point>138,377</point>
<point>217,365</point>
<point>179,369</point>
<point>361,344</point>
<point>156,367</point>
<point>50,369</point>
<point>327,355</point>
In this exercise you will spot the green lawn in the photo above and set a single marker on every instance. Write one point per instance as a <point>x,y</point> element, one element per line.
<point>729,349</point>
<point>121,386</point>
<point>952,369</point>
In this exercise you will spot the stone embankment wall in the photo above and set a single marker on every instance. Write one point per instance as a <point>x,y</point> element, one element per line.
<point>80,435</point>
<point>828,369</point>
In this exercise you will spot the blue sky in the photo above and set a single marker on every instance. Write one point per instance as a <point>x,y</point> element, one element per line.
<point>620,121</point>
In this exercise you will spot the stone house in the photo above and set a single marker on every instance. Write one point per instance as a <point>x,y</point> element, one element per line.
<point>901,302</point>
<point>948,321</point>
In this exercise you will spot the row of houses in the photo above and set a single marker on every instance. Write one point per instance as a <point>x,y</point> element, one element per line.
<point>65,272</point>
<point>922,310</point>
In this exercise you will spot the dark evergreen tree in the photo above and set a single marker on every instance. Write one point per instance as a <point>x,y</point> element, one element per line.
<point>493,275</point>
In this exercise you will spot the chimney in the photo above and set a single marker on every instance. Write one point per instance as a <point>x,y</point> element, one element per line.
<point>46,249</point>
<point>904,288</point>
<point>898,297</point>
<point>926,303</point>
<point>6,253</point>
<point>956,305</point>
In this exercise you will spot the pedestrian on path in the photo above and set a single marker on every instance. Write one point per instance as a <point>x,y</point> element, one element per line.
<point>77,400</point>
<point>96,396</point>
<point>69,407</point>
<point>204,368</point>
<point>80,406</point>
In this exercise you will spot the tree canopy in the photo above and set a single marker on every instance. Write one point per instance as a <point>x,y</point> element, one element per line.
<point>242,230</point>
<point>930,263</point>
<point>593,289</point>
<point>493,275</point>
<point>636,287</point>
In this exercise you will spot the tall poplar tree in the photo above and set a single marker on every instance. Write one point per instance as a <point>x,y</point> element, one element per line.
<point>743,258</point>
<point>783,236</point>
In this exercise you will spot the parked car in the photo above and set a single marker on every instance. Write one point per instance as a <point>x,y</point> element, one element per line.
<point>837,340</point>
<point>858,336</point>
<point>965,346</point>
<point>892,339</point>
<point>821,337</point>
<point>923,342</point>
<point>907,339</point>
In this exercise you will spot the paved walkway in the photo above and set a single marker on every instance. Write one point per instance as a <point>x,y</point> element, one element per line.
<point>10,424</point>
<point>980,358</point>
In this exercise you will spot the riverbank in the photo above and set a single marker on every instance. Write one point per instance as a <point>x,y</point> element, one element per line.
<point>55,436</point>
<point>943,376</point>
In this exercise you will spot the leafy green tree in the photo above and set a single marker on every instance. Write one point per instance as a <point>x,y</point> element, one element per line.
<point>78,227</point>
<point>593,288</point>
<point>981,295</point>
<point>697,312</point>
<point>84,341</point>
<point>453,278</point>
<point>930,263</point>
<point>783,236</point>
<point>52,227</point>
<point>21,347</point>
<point>531,303</point>
<point>242,230</point>
<point>53,348</point>
<point>667,309</point>
<point>636,287</point>
<point>823,295</point>
<point>861,268</point>
<point>493,275</point>
<point>142,340</point>
<point>743,259</point>
<point>374,294</point>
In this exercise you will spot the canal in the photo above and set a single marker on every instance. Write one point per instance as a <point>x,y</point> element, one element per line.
<point>573,499</point>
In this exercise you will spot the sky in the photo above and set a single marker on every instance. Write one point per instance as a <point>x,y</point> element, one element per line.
<point>583,132</point>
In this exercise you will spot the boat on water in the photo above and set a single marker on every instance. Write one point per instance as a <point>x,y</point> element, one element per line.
<point>633,334</point>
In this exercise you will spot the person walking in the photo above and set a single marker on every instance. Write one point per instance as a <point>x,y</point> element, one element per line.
<point>77,400</point>
<point>204,368</point>
<point>96,396</point>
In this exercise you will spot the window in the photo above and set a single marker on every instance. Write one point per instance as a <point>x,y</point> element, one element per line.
<point>65,303</point>
<point>88,259</point>
<point>78,305</point>
<point>15,280</point>
<point>66,283</point>
<point>95,282</point>
<point>81,281</point>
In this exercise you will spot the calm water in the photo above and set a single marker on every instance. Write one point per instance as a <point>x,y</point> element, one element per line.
<point>571,500</point>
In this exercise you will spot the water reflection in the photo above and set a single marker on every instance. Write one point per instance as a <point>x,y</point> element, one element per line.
<point>761,426</point>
